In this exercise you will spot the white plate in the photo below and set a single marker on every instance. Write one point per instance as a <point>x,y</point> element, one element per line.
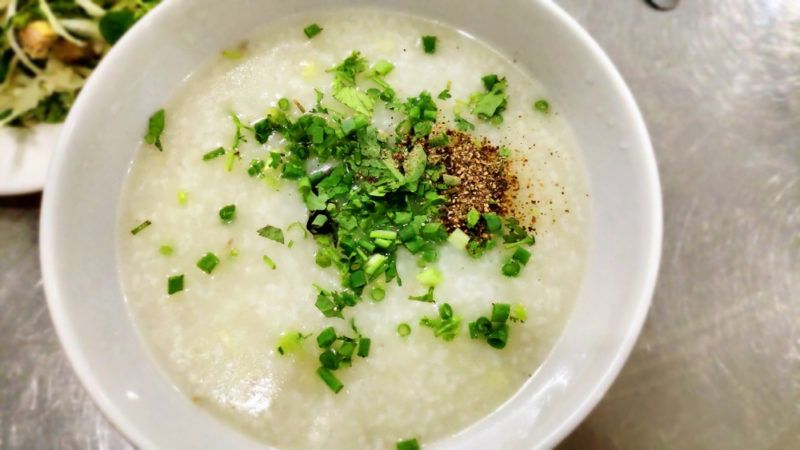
<point>24,158</point>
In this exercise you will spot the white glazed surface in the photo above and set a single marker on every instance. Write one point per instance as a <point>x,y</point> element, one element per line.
<point>79,216</point>
<point>24,158</point>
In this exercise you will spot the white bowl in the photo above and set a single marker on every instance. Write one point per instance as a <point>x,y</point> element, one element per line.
<point>78,226</point>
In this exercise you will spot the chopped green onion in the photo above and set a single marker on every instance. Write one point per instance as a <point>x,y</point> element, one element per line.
<point>374,262</point>
<point>408,444</point>
<point>430,277</point>
<point>521,256</point>
<point>403,329</point>
<point>499,337</point>
<point>138,229</point>
<point>227,213</point>
<point>383,234</point>
<point>216,153</point>
<point>208,262</point>
<point>269,262</point>
<point>283,104</point>
<point>472,218</point>
<point>377,294</point>
<point>165,250</point>
<point>363,347</point>
<point>326,338</point>
<point>289,342</point>
<point>427,297</point>
<point>347,349</point>
<point>500,312</point>
<point>511,268</point>
<point>174,284</point>
<point>329,360</point>
<point>458,239</point>
<point>312,30</point>
<point>271,232</point>
<point>429,44</point>
<point>542,106</point>
<point>330,379</point>
<point>383,243</point>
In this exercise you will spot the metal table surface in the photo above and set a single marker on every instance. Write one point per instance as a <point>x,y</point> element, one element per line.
<point>718,363</point>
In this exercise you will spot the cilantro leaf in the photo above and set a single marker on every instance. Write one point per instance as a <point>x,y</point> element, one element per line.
<point>155,127</point>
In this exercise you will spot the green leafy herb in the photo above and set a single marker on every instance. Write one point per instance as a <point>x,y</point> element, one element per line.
<point>542,106</point>
<point>312,30</point>
<point>208,262</point>
<point>283,104</point>
<point>174,284</point>
<point>429,44</point>
<point>166,250</point>
<point>138,229</point>
<point>427,297</point>
<point>271,232</point>
<point>330,379</point>
<point>344,84</point>
<point>472,218</point>
<point>489,105</point>
<point>227,213</point>
<point>430,277</point>
<point>155,126</point>
<point>446,326</point>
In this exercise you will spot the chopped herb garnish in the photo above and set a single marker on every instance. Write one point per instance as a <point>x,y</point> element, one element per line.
<point>312,30</point>
<point>430,277</point>
<point>472,218</point>
<point>408,444</point>
<point>330,379</point>
<point>227,213</point>
<point>138,229</point>
<point>344,85</point>
<point>174,284</point>
<point>256,167</point>
<point>155,126</point>
<point>208,262</point>
<point>326,338</point>
<point>429,44</point>
<point>183,198</point>
<point>216,153</point>
<point>269,262</point>
<point>271,232</point>
<point>519,313</point>
<point>446,326</point>
<point>290,342</point>
<point>511,268</point>
<point>403,329</point>
<point>363,347</point>
<point>489,105</point>
<point>426,297</point>
<point>542,106</point>
<point>165,250</point>
<point>284,105</point>
<point>494,329</point>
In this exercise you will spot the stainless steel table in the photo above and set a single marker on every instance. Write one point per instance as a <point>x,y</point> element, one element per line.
<point>718,364</point>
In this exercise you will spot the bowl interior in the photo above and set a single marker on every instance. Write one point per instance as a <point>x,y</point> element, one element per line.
<point>145,68</point>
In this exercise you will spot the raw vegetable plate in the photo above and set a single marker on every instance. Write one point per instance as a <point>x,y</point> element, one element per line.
<point>48,48</point>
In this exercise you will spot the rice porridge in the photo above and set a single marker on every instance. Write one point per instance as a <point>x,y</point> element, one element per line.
<point>237,264</point>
